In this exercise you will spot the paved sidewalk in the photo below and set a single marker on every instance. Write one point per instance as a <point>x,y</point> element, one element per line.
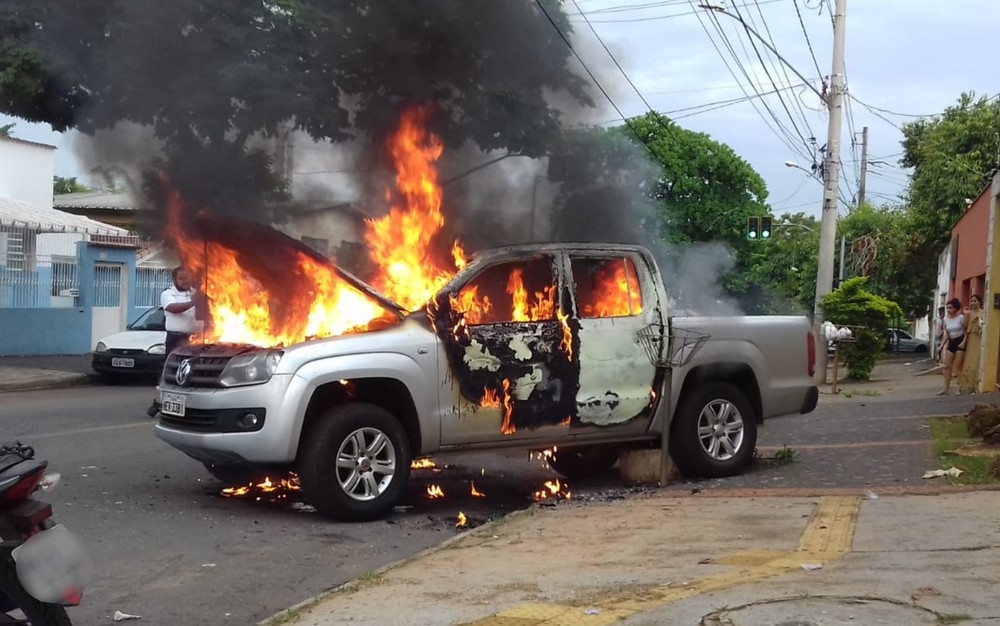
<point>697,560</point>
<point>26,379</point>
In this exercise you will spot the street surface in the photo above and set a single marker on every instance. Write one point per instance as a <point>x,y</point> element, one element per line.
<point>169,548</point>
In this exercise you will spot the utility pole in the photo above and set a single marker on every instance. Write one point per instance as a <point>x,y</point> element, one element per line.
<point>864,166</point>
<point>828,218</point>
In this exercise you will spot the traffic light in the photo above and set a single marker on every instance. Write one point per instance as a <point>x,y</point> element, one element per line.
<point>765,227</point>
<point>753,228</point>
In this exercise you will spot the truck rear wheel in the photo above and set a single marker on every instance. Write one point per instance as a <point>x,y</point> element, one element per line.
<point>714,432</point>
<point>355,462</point>
<point>583,461</point>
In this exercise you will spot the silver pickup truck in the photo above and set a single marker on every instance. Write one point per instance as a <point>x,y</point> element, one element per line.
<point>533,346</point>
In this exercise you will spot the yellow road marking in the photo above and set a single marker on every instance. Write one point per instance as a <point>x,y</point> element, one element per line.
<point>827,537</point>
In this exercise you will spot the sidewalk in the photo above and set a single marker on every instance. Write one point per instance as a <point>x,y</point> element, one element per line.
<point>696,560</point>
<point>26,379</point>
<point>893,377</point>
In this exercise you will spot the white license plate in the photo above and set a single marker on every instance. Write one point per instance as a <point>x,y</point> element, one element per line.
<point>120,362</point>
<point>172,404</point>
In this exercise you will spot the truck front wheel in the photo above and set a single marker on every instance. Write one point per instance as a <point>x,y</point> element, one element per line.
<point>714,432</point>
<point>355,462</point>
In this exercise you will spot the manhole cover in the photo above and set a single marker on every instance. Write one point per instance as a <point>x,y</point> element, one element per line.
<point>823,611</point>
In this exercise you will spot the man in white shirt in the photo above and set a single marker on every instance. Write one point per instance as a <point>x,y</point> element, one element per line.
<point>178,302</point>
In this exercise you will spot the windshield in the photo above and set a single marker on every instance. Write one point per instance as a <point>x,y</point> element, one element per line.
<point>153,319</point>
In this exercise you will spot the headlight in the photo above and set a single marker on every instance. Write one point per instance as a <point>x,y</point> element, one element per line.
<point>250,369</point>
<point>157,349</point>
<point>101,347</point>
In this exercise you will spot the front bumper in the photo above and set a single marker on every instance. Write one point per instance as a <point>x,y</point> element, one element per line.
<point>143,364</point>
<point>208,431</point>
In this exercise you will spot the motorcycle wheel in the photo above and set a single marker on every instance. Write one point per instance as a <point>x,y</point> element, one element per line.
<point>17,606</point>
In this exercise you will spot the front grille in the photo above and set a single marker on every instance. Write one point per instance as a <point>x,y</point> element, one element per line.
<point>194,419</point>
<point>205,370</point>
<point>125,351</point>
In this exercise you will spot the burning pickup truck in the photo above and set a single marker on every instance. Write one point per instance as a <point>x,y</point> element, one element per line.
<point>567,345</point>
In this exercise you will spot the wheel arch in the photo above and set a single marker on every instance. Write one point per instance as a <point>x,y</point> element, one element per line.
<point>388,393</point>
<point>741,375</point>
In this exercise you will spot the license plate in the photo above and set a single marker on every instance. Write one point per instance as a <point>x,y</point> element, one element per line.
<point>53,566</point>
<point>172,404</point>
<point>120,362</point>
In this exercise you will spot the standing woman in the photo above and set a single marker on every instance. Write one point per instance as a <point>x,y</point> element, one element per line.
<point>954,356</point>
<point>969,382</point>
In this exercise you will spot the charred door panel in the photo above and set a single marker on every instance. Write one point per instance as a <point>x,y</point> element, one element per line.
<point>509,351</point>
<point>614,299</point>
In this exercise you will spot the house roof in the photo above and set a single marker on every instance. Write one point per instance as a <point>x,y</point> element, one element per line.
<point>19,214</point>
<point>30,143</point>
<point>95,200</point>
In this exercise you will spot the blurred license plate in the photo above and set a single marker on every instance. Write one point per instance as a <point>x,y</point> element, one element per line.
<point>54,566</point>
<point>172,404</point>
<point>119,362</point>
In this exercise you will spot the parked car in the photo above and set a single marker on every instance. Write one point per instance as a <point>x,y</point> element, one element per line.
<point>898,340</point>
<point>137,351</point>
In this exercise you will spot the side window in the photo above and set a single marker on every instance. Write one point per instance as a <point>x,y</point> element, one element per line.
<point>606,287</point>
<point>521,291</point>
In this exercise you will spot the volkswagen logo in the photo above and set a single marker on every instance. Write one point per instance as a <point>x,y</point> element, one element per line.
<point>183,372</point>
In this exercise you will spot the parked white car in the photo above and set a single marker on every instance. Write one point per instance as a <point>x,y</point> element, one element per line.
<point>137,351</point>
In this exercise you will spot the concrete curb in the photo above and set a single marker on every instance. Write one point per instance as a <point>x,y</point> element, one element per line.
<point>285,616</point>
<point>55,380</point>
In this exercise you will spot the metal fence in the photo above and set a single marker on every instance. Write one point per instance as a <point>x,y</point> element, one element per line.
<point>149,284</point>
<point>38,281</point>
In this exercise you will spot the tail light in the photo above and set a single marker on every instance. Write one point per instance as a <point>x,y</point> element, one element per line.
<point>24,488</point>
<point>811,353</point>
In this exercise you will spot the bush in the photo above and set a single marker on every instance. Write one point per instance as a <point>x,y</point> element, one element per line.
<point>851,305</point>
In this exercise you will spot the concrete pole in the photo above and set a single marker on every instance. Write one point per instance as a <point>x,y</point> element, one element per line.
<point>828,219</point>
<point>864,166</point>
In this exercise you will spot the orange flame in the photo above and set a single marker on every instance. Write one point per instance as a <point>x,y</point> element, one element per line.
<point>400,243</point>
<point>462,520</point>
<point>617,292</point>
<point>280,489</point>
<point>507,427</point>
<point>475,492</point>
<point>523,310</point>
<point>434,491</point>
<point>422,464</point>
<point>490,399</point>
<point>553,489</point>
<point>566,345</point>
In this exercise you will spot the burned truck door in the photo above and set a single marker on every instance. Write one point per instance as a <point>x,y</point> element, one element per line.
<point>613,301</point>
<point>511,375</point>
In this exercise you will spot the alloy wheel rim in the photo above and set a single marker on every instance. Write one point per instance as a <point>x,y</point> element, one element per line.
<point>720,430</point>
<point>366,464</point>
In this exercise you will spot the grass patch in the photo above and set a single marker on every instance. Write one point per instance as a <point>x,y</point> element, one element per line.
<point>953,618</point>
<point>949,433</point>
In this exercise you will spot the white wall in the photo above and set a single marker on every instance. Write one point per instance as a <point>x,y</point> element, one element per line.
<point>26,171</point>
<point>62,244</point>
<point>944,278</point>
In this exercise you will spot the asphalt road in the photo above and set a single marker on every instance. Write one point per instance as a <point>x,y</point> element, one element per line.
<point>167,547</point>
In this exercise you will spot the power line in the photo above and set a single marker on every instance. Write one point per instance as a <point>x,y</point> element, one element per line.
<point>651,17</point>
<point>806,33</point>
<point>788,139</point>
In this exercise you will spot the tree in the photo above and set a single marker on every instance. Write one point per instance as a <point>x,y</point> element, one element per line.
<point>208,75</point>
<point>952,156</point>
<point>62,186</point>
<point>6,130</point>
<point>869,316</point>
<point>783,269</point>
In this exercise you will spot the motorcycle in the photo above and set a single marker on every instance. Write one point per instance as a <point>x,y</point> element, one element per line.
<point>43,567</point>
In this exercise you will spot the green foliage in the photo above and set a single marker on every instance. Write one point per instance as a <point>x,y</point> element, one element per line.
<point>952,156</point>
<point>6,130</point>
<point>783,269</point>
<point>852,305</point>
<point>62,186</point>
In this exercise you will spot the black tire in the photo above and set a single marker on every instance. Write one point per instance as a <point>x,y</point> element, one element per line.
<point>583,461</point>
<point>357,493</point>
<point>234,475</point>
<point>920,349</point>
<point>710,402</point>
<point>38,613</point>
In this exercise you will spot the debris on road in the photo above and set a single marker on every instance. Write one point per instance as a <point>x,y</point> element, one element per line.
<point>811,567</point>
<point>954,472</point>
<point>121,617</point>
<point>870,495</point>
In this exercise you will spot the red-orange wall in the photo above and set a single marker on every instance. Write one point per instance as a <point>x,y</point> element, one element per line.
<point>969,234</point>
